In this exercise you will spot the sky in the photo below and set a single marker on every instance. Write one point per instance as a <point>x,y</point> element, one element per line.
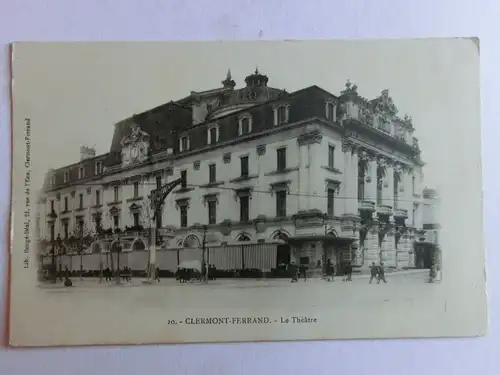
<point>74,93</point>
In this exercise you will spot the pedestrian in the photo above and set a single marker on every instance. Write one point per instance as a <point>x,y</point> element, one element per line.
<point>330,270</point>
<point>303,271</point>
<point>157,274</point>
<point>381,273</point>
<point>293,272</point>
<point>373,272</point>
<point>348,271</point>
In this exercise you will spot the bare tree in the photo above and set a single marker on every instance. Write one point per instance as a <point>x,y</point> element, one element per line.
<point>79,241</point>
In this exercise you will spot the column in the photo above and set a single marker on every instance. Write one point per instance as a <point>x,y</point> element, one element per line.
<point>371,248</point>
<point>303,180</point>
<point>402,251</point>
<point>349,190</point>
<point>316,180</point>
<point>353,188</point>
<point>388,250</point>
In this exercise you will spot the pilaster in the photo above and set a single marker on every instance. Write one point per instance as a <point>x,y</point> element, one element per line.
<point>388,251</point>
<point>371,247</point>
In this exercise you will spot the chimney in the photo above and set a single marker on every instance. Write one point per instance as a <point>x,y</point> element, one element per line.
<point>86,153</point>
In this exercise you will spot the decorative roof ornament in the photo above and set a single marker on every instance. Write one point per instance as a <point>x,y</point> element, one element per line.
<point>350,89</point>
<point>407,120</point>
<point>228,83</point>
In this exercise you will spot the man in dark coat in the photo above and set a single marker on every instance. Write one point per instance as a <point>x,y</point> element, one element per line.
<point>373,272</point>
<point>293,272</point>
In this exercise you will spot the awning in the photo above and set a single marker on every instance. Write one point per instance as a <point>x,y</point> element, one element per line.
<point>328,239</point>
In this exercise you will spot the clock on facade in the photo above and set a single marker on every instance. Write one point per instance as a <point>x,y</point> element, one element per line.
<point>251,95</point>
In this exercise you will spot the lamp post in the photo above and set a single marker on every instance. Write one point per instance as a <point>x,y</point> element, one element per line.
<point>204,266</point>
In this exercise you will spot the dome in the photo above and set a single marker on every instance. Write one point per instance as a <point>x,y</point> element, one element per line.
<point>256,79</point>
<point>255,92</point>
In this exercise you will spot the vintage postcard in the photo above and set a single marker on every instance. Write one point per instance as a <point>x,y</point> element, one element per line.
<point>176,192</point>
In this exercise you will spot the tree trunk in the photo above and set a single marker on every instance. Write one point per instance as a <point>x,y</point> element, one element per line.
<point>81,266</point>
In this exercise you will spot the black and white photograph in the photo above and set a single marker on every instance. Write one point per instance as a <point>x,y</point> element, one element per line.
<point>176,192</point>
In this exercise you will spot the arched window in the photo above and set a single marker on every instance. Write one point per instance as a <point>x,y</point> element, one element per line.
<point>184,143</point>
<point>243,237</point>
<point>192,241</point>
<point>245,125</point>
<point>138,244</point>
<point>281,114</point>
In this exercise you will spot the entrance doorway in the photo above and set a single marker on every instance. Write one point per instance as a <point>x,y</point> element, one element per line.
<point>283,251</point>
<point>423,257</point>
<point>283,254</point>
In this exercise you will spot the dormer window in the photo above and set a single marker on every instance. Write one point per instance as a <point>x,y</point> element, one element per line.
<point>281,114</point>
<point>213,134</point>
<point>66,177</point>
<point>53,180</point>
<point>245,125</point>
<point>184,143</point>
<point>330,110</point>
<point>81,173</point>
<point>98,168</point>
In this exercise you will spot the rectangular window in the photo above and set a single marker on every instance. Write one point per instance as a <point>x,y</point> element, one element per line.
<point>97,197</point>
<point>331,156</point>
<point>330,202</point>
<point>66,177</point>
<point>65,203</point>
<point>66,230</point>
<point>281,114</point>
<point>116,193</point>
<point>98,168</point>
<point>413,185</point>
<point>212,212</point>
<point>244,166</point>
<point>184,216</point>
<point>158,182</point>
<point>281,203</point>
<point>137,220</point>
<point>136,189</point>
<point>361,188</point>
<point>245,125</point>
<point>184,144</point>
<point>184,179</point>
<point>281,159</point>
<point>81,224</point>
<point>80,201</point>
<point>330,111</point>
<point>116,221</point>
<point>213,136</point>
<point>52,232</point>
<point>51,206</point>
<point>81,173</point>
<point>244,209</point>
<point>211,173</point>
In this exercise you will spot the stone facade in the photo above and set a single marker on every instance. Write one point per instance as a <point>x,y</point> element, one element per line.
<point>261,166</point>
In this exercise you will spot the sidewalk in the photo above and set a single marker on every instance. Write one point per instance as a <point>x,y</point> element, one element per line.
<point>93,282</point>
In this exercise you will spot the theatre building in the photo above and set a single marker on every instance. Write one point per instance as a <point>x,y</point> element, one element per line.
<point>263,177</point>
